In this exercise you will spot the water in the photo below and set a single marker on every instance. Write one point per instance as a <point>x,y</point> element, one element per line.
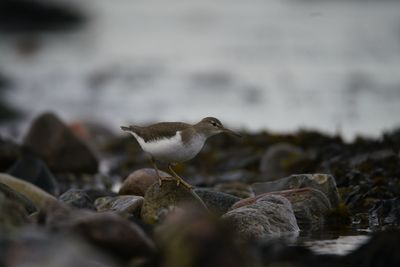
<point>277,65</point>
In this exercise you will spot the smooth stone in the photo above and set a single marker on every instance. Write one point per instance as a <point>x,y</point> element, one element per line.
<point>268,216</point>
<point>17,197</point>
<point>122,205</point>
<point>54,142</point>
<point>281,160</point>
<point>237,189</point>
<point>241,175</point>
<point>39,197</point>
<point>32,169</point>
<point>159,199</point>
<point>217,202</point>
<point>323,182</point>
<point>13,215</point>
<point>139,181</point>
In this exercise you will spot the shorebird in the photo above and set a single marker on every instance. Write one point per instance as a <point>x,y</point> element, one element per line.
<point>175,142</point>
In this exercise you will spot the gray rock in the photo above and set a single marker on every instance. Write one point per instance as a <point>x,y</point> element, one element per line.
<point>9,153</point>
<point>323,182</point>
<point>39,197</point>
<point>14,196</point>
<point>160,198</point>
<point>139,181</point>
<point>270,215</point>
<point>34,170</point>
<point>122,205</point>
<point>281,160</point>
<point>54,142</point>
<point>217,202</point>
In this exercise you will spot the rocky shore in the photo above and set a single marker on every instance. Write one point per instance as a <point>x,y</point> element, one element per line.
<point>80,195</point>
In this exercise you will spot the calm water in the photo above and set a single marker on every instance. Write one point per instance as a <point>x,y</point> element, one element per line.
<point>277,64</point>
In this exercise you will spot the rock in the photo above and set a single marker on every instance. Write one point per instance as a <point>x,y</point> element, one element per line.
<point>139,181</point>
<point>78,199</point>
<point>122,205</point>
<point>243,176</point>
<point>238,189</point>
<point>283,159</point>
<point>217,202</point>
<point>188,237</point>
<point>323,182</point>
<point>84,198</point>
<point>16,197</point>
<point>159,199</point>
<point>36,247</point>
<point>9,153</point>
<point>386,212</point>
<point>269,215</point>
<point>309,205</point>
<point>13,215</point>
<point>34,170</point>
<point>53,141</point>
<point>40,198</point>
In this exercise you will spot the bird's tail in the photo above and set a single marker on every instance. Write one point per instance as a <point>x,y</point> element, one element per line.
<point>130,128</point>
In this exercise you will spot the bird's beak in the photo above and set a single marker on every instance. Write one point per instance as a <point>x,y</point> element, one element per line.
<point>125,128</point>
<point>228,131</point>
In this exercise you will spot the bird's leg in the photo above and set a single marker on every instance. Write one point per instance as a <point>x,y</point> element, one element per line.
<point>153,163</point>
<point>178,178</point>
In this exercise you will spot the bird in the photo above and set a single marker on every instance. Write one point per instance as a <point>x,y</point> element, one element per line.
<point>175,142</point>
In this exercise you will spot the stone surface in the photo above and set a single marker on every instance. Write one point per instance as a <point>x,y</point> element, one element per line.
<point>217,202</point>
<point>309,205</point>
<point>63,152</point>
<point>238,189</point>
<point>16,197</point>
<point>9,153</point>
<point>77,198</point>
<point>139,181</point>
<point>39,197</point>
<point>158,199</point>
<point>281,160</point>
<point>122,205</point>
<point>385,212</point>
<point>32,169</point>
<point>323,182</point>
<point>269,215</point>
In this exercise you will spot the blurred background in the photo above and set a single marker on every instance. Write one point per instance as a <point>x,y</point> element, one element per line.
<point>278,65</point>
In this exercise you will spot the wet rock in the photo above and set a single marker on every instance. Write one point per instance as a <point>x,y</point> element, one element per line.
<point>40,198</point>
<point>35,247</point>
<point>243,176</point>
<point>386,212</point>
<point>159,199</point>
<point>237,189</point>
<point>54,142</point>
<point>16,197</point>
<point>309,205</point>
<point>269,215</point>
<point>139,181</point>
<point>188,237</point>
<point>283,159</point>
<point>322,182</point>
<point>9,153</point>
<point>34,170</point>
<point>13,215</point>
<point>122,205</point>
<point>217,202</point>
<point>77,198</point>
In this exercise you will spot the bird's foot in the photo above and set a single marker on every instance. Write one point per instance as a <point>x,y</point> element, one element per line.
<point>181,181</point>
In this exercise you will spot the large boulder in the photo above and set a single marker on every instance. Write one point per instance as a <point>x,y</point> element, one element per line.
<point>54,142</point>
<point>139,181</point>
<point>269,215</point>
<point>322,182</point>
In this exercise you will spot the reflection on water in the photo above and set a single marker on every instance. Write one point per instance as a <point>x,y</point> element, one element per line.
<point>280,65</point>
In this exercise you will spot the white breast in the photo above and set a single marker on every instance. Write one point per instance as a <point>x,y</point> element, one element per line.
<point>172,149</point>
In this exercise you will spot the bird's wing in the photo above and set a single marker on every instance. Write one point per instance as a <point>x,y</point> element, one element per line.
<point>153,132</point>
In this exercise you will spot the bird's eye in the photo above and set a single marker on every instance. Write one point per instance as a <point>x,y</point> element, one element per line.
<point>214,123</point>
